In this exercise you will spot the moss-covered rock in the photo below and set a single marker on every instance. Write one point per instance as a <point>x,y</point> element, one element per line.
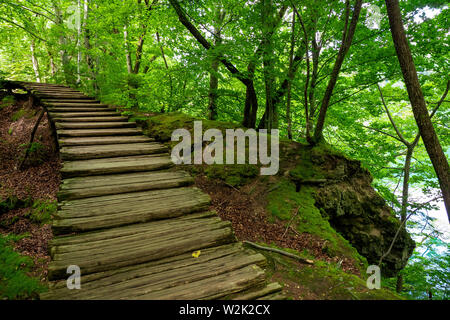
<point>361,215</point>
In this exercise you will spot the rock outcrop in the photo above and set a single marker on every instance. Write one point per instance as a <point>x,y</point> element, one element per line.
<point>359,213</point>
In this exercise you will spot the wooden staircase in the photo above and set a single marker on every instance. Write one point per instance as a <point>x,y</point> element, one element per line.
<point>128,222</point>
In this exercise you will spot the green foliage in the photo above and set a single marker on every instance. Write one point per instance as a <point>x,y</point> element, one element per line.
<point>37,152</point>
<point>42,211</point>
<point>12,202</point>
<point>14,281</point>
<point>18,115</point>
<point>234,175</point>
<point>427,271</point>
<point>7,100</point>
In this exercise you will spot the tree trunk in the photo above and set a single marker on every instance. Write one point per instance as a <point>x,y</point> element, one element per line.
<point>213,79</point>
<point>127,50</point>
<point>268,70</point>
<point>399,285</point>
<point>168,74</point>
<point>345,46</point>
<point>79,46</point>
<point>291,78</point>
<point>35,61</point>
<point>417,100</point>
<point>65,60</point>
<point>87,46</point>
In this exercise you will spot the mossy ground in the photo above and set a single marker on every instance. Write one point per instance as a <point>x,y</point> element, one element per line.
<point>320,280</point>
<point>284,202</point>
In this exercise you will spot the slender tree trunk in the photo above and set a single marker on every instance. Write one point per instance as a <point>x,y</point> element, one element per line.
<point>79,46</point>
<point>345,46</point>
<point>291,78</point>
<point>399,285</point>
<point>35,61</point>
<point>127,50</point>
<point>312,87</point>
<point>417,99</point>
<point>87,46</point>
<point>268,68</point>
<point>65,60</point>
<point>163,55</point>
<point>52,65</point>
<point>213,79</point>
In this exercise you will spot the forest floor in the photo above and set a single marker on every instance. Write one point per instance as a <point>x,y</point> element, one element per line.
<point>30,191</point>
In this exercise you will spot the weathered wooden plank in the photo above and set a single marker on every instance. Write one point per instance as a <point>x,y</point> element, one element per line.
<point>63,96</point>
<point>79,109</point>
<point>115,165</point>
<point>98,132</point>
<point>111,150</point>
<point>131,229</point>
<point>103,220</point>
<point>255,293</point>
<point>51,101</point>
<point>98,281</point>
<point>119,179</point>
<point>116,118</point>
<point>216,287</point>
<point>76,104</point>
<point>142,254</point>
<point>110,185</point>
<point>149,234</point>
<point>148,203</point>
<point>127,197</point>
<point>146,280</point>
<point>95,125</point>
<point>83,114</point>
<point>88,141</point>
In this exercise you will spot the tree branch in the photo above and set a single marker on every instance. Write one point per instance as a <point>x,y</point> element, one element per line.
<point>399,134</point>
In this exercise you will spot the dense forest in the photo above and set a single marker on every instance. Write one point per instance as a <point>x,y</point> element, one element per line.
<point>369,80</point>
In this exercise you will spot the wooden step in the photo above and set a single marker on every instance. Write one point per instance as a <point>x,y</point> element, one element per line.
<point>82,216</point>
<point>77,109</point>
<point>94,125</point>
<point>143,246</point>
<point>116,118</point>
<point>51,101</point>
<point>83,114</point>
<point>94,186</point>
<point>75,104</point>
<point>114,165</point>
<point>57,91</point>
<point>171,272</point>
<point>64,96</point>
<point>98,132</point>
<point>88,141</point>
<point>111,150</point>
<point>95,236</point>
<point>100,281</point>
<point>258,292</point>
<point>114,204</point>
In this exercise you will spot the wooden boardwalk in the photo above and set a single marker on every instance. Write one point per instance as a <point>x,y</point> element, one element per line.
<point>130,224</point>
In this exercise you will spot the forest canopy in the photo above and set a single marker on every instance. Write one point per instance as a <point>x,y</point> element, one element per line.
<point>319,71</point>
